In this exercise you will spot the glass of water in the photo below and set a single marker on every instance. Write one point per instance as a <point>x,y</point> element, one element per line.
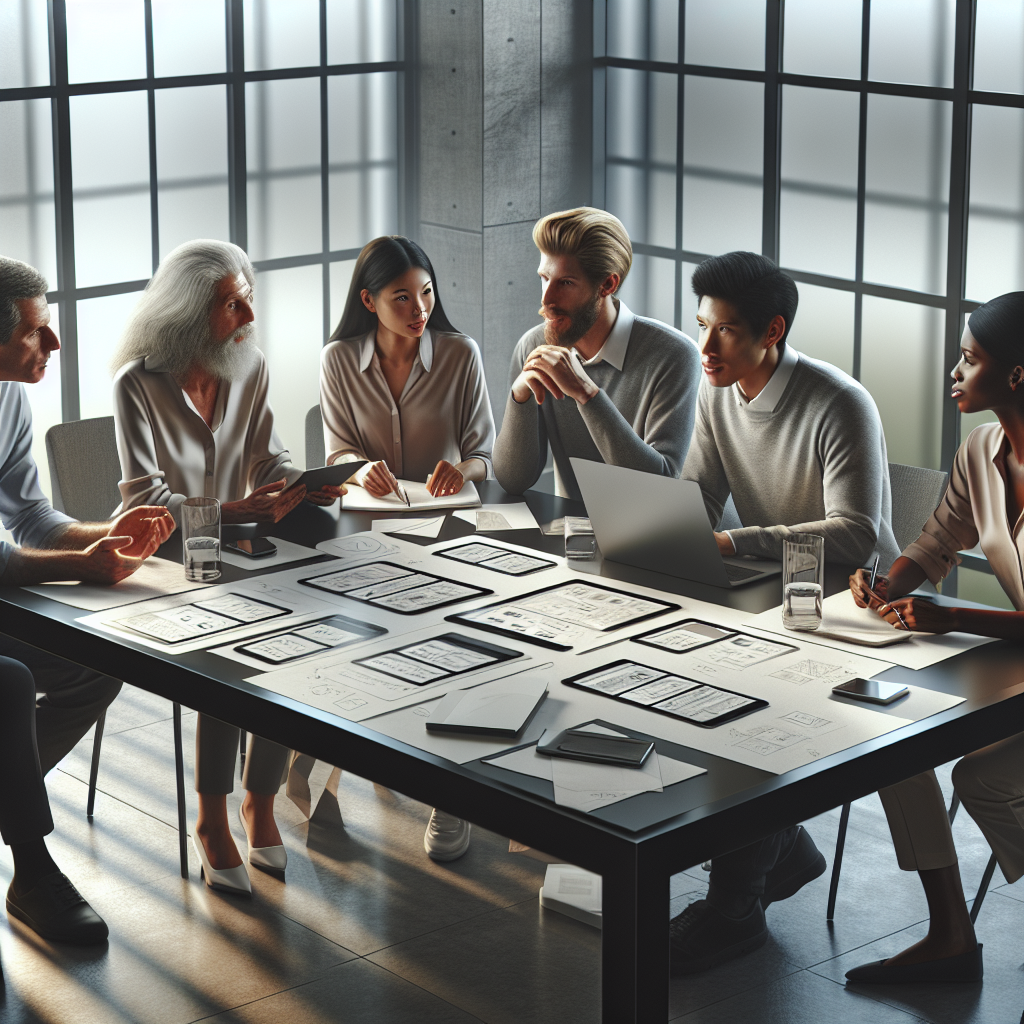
<point>200,539</point>
<point>803,573</point>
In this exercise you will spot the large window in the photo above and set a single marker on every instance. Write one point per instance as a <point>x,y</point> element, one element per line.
<point>875,148</point>
<point>130,126</point>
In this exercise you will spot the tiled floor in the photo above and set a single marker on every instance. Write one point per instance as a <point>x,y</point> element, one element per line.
<point>367,929</point>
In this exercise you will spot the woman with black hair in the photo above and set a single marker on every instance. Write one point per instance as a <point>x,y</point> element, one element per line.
<point>402,388</point>
<point>399,385</point>
<point>984,503</point>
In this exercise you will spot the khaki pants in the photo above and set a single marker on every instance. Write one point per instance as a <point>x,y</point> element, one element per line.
<point>216,754</point>
<point>990,783</point>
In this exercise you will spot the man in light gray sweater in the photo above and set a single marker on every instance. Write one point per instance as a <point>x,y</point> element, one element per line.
<point>594,381</point>
<point>800,447</point>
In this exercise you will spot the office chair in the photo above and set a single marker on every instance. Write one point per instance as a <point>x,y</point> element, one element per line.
<point>916,493</point>
<point>84,472</point>
<point>316,453</point>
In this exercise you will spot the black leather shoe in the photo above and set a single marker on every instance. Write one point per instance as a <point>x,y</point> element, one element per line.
<point>801,865</point>
<point>963,967</point>
<point>55,909</point>
<point>702,937</point>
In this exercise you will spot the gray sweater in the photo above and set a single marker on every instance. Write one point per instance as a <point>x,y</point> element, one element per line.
<point>816,463</point>
<point>641,419</point>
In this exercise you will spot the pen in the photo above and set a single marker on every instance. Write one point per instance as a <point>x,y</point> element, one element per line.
<point>874,574</point>
<point>404,495</point>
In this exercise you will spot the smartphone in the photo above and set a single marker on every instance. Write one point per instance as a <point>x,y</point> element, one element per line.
<point>579,745</point>
<point>256,547</point>
<point>874,691</point>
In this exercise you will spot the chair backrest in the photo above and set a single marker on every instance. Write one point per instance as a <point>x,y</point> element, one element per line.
<point>916,494</point>
<point>84,468</point>
<point>316,454</point>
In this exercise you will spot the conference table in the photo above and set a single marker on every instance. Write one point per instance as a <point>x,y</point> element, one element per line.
<point>635,845</point>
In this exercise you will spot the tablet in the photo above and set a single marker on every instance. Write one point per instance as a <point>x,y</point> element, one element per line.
<point>336,475</point>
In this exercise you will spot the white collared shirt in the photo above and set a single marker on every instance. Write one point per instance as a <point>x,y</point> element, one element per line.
<point>768,397</point>
<point>613,351</point>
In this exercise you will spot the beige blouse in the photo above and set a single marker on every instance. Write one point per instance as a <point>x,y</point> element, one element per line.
<point>972,511</point>
<point>443,412</point>
<point>167,451</point>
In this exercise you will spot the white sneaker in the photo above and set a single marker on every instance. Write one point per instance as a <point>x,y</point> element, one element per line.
<point>447,837</point>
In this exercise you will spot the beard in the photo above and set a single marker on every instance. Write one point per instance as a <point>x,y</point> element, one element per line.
<point>581,319</point>
<point>231,358</point>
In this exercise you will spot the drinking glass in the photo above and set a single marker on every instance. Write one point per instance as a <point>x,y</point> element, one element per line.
<point>200,539</point>
<point>803,572</point>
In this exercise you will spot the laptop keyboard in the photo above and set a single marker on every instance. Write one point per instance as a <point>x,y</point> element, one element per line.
<point>739,572</point>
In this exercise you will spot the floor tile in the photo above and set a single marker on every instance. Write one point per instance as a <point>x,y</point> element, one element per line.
<point>177,952</point>
<point>801,998</point>
<point>997,1000</point>
<point>521,965</point>
<point>134,708</point>
<point>354,993</point>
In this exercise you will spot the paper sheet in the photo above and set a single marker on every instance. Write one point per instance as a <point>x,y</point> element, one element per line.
<point>410,527</point>
<point>587,786</point>
<point>358,547</point>
<point>495,518</point>
<point>360,500</point>
<point>156,577</point>
<point>171,616</point>
<point>922,650</point>
<point>286,553</point>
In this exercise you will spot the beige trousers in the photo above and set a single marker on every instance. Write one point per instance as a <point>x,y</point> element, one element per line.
<point>990,783</point>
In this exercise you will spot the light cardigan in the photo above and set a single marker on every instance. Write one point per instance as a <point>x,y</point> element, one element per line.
<point>167,451</point>
<point>443,412</point>
<point>972,511</point>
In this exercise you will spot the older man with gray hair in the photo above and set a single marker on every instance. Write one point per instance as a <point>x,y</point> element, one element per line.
<point>46,704</point>
<point>193,419</point>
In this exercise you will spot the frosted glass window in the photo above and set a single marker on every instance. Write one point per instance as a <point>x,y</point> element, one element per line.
<point>823,325</point>
<point>650,288</point>
<point>188,37</point>
<point>341,279</point>
<point>112,212</point>
<point>725,33</point>
<point>901,365</point>
<point>26,185</point>
<point>106,40</point>
<point>101,323</point>
<point>998,45</point>
<point>641,147</point>
<point>283,147</point>
<point>361,31</point>
<point>995,233</point>
<point>723,163</point>
<point>822,38</point>
<point>289,329</point>
<point>24,44</point>
<point>363,158</point>
<point>818,204</point>
<point>44,399</point>
<point>912,41</point>
<point>688,317</point>
<point>907,183</point>
<point>281,35</point>
<point>192,164</point>
<point>643,29</point>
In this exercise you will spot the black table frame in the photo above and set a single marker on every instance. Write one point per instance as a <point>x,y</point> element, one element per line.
<point>636,866</point>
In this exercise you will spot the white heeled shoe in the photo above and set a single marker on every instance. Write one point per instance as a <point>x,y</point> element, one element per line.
<point>269,858</point>
<point>232,880</point>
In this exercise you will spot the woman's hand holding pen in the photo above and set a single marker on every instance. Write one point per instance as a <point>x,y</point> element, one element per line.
<point>379,481</point>
<point>864,595</point>
<point>912,613</point>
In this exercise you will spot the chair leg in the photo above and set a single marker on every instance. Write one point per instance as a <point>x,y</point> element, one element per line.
<point>986,878</point>
<point>954,806</point>
<point>179,779</point>
<point>837,863</point>
<point>242,738</point>
<point>94,768</point>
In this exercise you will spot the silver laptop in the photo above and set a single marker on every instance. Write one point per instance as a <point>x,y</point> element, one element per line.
<point>661,524</point>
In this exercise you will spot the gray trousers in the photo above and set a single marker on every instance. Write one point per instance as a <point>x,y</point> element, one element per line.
<point>216,750</point>
<point>47,705</point>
